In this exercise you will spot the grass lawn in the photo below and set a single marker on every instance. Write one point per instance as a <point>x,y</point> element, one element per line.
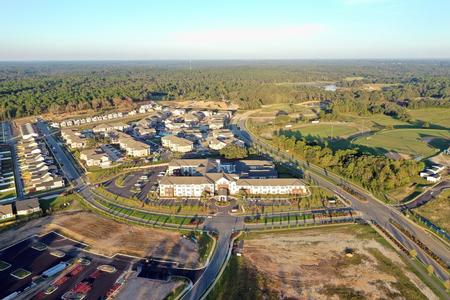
<point>408,192</point>
<point>67,202</point>
<point>240,280</point>
<point>326,130</point>
<point>438,210</point>
<point>371,122</point>
<point>434,116</point>
<point>4,265</point>
<point>9,194</point>
<point>21,273</point>
<point>417,142</point>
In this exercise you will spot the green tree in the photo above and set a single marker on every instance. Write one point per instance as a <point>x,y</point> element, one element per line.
<point>232,151</point>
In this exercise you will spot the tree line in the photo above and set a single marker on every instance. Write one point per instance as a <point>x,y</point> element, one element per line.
<point>33,89</point>
<point>375,172</point>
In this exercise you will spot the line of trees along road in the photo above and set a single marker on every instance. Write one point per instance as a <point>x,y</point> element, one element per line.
<point>376,173</point>
<point>33,89</point>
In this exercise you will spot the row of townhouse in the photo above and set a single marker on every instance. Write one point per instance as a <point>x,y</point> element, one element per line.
<point>193,177</point>
<point>7,181</point>
<point>152,106</point>
<point>104,128</point>
<point>37,167</point>
<point>19,208</point>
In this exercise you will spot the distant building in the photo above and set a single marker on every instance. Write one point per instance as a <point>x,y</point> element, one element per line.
<point>73,139</point>
<point>93,157</point>
<point>177,144</point>
<point>131,146</point>
<point>27,207</point>
<point>433,178</point>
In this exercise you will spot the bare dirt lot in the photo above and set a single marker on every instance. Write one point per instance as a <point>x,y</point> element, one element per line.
<point>108,237</point>
<point>313,264</point>
<point>199,104</point>
<point>143,288</point>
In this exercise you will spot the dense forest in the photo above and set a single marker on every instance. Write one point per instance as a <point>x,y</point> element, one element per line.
<point>35,88</point>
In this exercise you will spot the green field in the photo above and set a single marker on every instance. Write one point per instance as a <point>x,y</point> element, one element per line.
<point>326,130</point>
<point>434,116</point>
<point>372,122</point>
<point>416,142</point>
<point>438,210</point>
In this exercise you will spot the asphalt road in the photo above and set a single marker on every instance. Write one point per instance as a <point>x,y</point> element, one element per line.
<point>371,209</point>
<point>65,162</point>
<point>224,225</point>
<point>427,196</point>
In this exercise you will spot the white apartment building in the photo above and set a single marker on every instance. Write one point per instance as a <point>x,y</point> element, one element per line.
<point>177,144</point>
<point>193,177</point>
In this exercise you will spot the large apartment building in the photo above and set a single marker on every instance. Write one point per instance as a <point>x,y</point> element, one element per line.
<point>131,146</point>
<point>73,138</point>
<point>177,144</point>
<point>194,177</point>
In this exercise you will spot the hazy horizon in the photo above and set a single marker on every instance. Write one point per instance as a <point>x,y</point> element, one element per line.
<point>52,30</point>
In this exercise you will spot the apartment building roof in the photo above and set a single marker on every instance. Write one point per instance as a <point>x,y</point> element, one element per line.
<point>184,180</point>
<point>5,209</point>
<point>173,139</point>
<point>188,162</point>
<point>27,204</point>
<point>270,182</point>
<point>93,154</point>
<point>27,130</point>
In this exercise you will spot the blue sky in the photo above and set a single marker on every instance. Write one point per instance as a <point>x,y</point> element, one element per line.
<point>232,29</point>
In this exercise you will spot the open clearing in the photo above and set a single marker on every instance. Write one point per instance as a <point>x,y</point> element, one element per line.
<point>143,288</point>
<point>420,142</point>
<point>434,116</point>
<point>312,264</point>
<point>327,130</point>
<point>200,104</point>
<point>108,237</point>
<point>438,210</point>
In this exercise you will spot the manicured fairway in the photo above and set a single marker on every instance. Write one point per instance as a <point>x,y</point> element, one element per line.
<point>422,142</point>
<point>434,116</point>
<point>326,130</point>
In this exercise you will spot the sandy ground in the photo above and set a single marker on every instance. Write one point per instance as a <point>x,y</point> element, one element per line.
<point>307,261</point>
<point>442,159</point>
<point>107,237</point>
<point>143,288</point>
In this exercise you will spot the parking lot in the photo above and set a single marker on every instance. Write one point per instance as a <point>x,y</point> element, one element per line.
<point>36,254</point>
<point>136,184</point>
